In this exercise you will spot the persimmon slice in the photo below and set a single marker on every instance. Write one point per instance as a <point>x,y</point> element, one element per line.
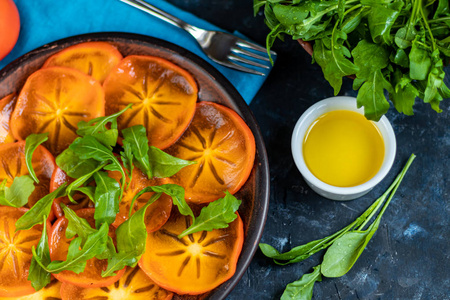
<point>196,263</point>
<point>59,177</point>
<point>224,148</point>
<point>96,59</point>
<point>163,97</point>
<point>133,285</point>
<point>12,160</point>
<point>59,245</point>
<point>6,107</point>
<point>156,214</point>
<point>49,292</point>
<point>54,100</point>
<point>15,253</point>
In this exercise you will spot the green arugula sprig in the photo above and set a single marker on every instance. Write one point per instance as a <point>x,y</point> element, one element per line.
<point>398,46</point>
<point>18,193</point>
<point>38,276</point>
<point>344,246</point>
<point>31,143</point>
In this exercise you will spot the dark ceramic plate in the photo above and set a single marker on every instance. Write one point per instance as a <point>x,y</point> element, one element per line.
<point>213,86</point>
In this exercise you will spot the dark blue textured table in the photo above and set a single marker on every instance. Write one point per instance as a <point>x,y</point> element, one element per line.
<point>408,258</point>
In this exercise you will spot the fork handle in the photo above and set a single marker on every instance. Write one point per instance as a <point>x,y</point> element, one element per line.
<point>156,12</point>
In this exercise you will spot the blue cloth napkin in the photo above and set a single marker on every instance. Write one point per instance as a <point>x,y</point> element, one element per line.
<point>45,21</point>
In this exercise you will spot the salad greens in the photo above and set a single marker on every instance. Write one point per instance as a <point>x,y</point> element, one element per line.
<point>398,46</point>
<point>86,160</point>
<point>344,246</point>
<point>31,143</point>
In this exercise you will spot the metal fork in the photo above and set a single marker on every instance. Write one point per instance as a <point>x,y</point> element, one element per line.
<point>223,48</point>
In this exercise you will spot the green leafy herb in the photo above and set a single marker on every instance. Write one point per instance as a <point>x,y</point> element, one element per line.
<point>97,128</point>
<point>76,225</point>
<point>165,165</point>
<point>40,209</point>
<point>106,200</point>
<point>37,275</point>
<point>77,256</point>
<point>31,143</point>
<point>131,239</point>
<point>18,193</point>
<point>135,138</point>
<point>218,214</point>
<point>302,289</point>
<point>383,43</point>
<point>127,160</point>
<point>345,246</point>
<point>77,184</point>
<point>73,165</point>
<point>174,191</point>
<point>89,147</point>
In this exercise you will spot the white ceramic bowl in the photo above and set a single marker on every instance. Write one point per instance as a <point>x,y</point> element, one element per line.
<point>320,187</point>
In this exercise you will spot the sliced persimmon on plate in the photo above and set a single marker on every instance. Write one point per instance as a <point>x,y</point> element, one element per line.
<point>96,59</point>
<point>50,292</point>
<point>224,148</point>
<point>12,164</point>
<point>6,107</point>
<point>194,264</point>
<point>163,96</point>
<point>59,177</point>
<point>133,285</point>
<point>54,100</point>
<point>15,253</point>
<point>156,214</point>
<point>59,245</point>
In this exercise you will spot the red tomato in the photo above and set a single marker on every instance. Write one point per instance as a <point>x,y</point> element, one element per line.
<point>9,26</point>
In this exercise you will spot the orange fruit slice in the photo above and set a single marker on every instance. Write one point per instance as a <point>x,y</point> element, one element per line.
<point>196,263</point>
<point>50,292</point>
<point>133,285</point>
<point>96,59</point>
<point>15,253</point>
<point>59,245</point>
<point>59,177</point>
<point>6,108</point>
<point>12,164</point>
<point>54,100</point>
<point>163,97</point>
<point>224,148</point>
<point>156,214</point>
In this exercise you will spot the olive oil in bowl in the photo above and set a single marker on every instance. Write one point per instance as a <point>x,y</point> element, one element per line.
<point>343,149</point>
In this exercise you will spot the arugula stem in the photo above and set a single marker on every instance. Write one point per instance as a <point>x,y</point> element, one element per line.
<point>399,179</point>
<point>352,9</point>
<point>425,22</point>
<point>438,20</point>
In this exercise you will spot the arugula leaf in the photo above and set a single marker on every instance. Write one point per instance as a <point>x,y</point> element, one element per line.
<point>332,60</point>
<point>371,96</point>
<point>76,184</point>
<point>302,289</point>
<point>381,18</point>
<point>174,191</point>
<point>165,165</point>
<point>344,252</point>
<point>215,216</point>
<point>135,137</point>
<point>131,239</point>
<point>31,143</point>
<point>18,193</point>
<point>77,256</point>
<point>106,201</point>
<point>40,209</point>
<point>419,60</point>
<point>87,190</point>
<point>97,128</point>
<point>127,159</point>
<point>37,275</point>
<point>89,147</point>
<point>404,93</point>
<point>73,165</point>
<point>76,225</point>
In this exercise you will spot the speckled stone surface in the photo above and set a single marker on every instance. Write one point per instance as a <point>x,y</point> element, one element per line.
<point>409,256</point>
